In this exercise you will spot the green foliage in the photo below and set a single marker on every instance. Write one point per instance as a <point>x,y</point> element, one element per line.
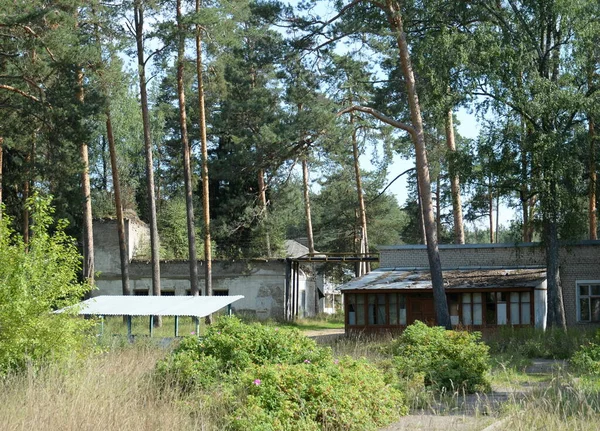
<point>231,346</point>
<point>345,394</point>
<point>276,379</point>
<point>449,360</point>
<point>35,279</point>
<point>587,358</point>
<point>552,343</point>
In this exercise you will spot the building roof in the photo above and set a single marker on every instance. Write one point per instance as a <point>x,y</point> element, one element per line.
<point>295,249</point>
<point>393,279</point>
<point>196,306</point>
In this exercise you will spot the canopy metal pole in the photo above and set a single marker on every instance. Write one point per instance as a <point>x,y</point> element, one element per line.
<point>197,321</point>
<point>176,326</point>
<point>151,325</point>
<point>229,313</point>
<point>101,325</point>
<point>129,327</point>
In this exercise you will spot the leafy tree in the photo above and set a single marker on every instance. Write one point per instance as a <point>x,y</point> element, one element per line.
<point>36,279</point>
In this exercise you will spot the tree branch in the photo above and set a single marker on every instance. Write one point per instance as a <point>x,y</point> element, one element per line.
<point>21,92</point>
<point>382,117</point>
<point>392,182</point>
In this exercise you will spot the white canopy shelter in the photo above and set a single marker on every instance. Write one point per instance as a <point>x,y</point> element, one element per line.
<point>193,306</point>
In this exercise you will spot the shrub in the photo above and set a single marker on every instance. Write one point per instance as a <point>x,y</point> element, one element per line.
<point>449,360</point>
<point>231,346</point>
<point>347,394</point>
<point>36,279</point>
<point>587,358</point>
<point>277,379</point>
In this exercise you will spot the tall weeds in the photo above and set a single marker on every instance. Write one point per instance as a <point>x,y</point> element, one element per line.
<point>112,391</point>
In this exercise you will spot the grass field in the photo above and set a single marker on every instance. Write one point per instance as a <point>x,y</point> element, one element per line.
<point>115,389</point>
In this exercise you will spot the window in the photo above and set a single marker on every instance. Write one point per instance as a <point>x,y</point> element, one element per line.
<point>588,301</point>
<point>377,315</point>
<point>221,292</point>
<point>520,308</point>
<point>376,309</point>
<point>472,308</point>
<point>397,308</point>
<point>356,309</point>
<point>140,292</point>
<point>496,308</point>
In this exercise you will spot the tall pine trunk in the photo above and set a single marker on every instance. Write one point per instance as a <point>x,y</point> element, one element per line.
<point>309,229</point>
<point>138,10</point>
<point>185,143</point>
<point>262,193</point>
<point>1,171</point>
<point>205,185</point>
<point>364,267</point>
<point>26,192</point>
<point>418,138</point>
<point>592,215</point>
<point>88,230</point>
<point>459,231</point>
<point>556,308</point>
<point>123,253</point>
<point>491,209</point>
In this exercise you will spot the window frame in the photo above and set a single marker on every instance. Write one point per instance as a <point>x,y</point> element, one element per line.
<point>588,283</point>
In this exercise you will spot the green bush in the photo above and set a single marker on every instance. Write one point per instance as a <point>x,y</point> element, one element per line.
<point>231,346</point>
<point>277,379</point>
<point>587,358</point>
<point>347,395</point>
<point>448,360</point>
<point>36,279</point>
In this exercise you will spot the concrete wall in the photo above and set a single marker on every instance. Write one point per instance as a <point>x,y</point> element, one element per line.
<point>578,262</point>
<point>261,282</point>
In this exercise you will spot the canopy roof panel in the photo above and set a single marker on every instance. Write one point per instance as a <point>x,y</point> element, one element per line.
<point>196,306</point>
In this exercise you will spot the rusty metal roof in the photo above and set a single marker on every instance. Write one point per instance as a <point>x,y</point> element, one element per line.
<point>386,279</point>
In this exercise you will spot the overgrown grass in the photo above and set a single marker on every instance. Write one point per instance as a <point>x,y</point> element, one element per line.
<point>535,343</point>
<point>112,391</point>
<point>140,327</point>
<point>115,390</point>
<point>564,403</point>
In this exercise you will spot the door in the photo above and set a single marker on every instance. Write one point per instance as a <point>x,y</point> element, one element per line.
<point>420,308</point>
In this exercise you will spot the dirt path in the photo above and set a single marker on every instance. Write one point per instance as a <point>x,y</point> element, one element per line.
<point>475,412</point>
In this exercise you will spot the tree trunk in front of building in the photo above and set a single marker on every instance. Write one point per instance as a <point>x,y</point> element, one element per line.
<point>364,267</point>
<point>556,309</point>
<point>418,138</point>
<point>88,230</point>
<point>262,194</point>
<point>123,252</point>
<point>187,169</point>
<point>309,229</point>
<point>459,231</point>
<point>592,215</point>
<point>154,241</point>
<point>1,154</point>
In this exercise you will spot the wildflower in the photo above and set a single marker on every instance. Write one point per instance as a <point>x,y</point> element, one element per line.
<point>276,329</point>
<point>307,361</point>
<point>336,362</point>
<point>193,333</point>
<point>257,382</point>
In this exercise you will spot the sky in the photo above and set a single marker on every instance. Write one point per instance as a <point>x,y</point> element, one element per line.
<point>468,127</point>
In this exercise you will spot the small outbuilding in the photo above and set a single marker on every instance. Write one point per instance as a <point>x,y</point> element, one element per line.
<point>487,286</point>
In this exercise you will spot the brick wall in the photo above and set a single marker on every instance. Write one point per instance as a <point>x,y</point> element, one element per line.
<point>578,262</point>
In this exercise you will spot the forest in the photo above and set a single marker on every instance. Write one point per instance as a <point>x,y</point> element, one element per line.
<point>232,126</point>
